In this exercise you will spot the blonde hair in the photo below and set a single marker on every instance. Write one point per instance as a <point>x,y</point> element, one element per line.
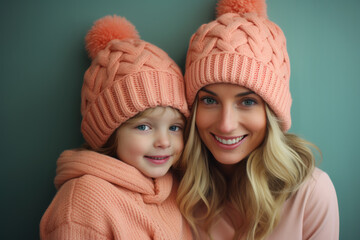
<point>109,148</point>
<point>269,176</point>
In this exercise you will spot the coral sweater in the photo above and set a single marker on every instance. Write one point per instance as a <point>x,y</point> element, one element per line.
<point>100,197</point>
<point>311,213</point>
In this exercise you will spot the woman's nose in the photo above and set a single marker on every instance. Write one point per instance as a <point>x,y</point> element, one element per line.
<point>228,121</point>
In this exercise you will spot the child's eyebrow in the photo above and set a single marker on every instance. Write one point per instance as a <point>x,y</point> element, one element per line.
<point>237,95</point>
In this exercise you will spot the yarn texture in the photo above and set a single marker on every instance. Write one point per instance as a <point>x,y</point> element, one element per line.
<point>246,49</point>
<point>128,76</point>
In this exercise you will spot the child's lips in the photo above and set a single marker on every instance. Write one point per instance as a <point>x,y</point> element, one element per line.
<point>158,159</point>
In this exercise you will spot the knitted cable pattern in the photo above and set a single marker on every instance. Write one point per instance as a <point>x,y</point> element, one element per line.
<point>242,49</point>
<point>121,59</point>
<point>127,77</point>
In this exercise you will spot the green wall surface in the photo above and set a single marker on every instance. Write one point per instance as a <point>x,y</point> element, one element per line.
<point>43,60</point>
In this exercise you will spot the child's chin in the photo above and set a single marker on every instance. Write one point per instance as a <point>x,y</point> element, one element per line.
<point>156,174</point>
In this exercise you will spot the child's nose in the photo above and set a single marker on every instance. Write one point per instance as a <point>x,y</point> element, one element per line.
<point>162,140</point>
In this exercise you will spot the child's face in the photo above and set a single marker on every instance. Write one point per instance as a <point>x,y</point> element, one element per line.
<point>153,142</point>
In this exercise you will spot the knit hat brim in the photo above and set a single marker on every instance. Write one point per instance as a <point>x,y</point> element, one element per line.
<point>244,71</point>
<point>126,98</point>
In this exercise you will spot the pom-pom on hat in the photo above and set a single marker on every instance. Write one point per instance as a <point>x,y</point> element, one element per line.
<point>241,7</point>
<point>242,46</point>
<point>107,29</point>
<point>127,76</point>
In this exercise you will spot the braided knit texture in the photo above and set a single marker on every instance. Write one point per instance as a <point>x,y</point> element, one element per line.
<point>246,50</point>
<point>125,78</point>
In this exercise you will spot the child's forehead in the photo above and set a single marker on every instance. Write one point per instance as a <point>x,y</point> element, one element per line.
<point>158,112</point>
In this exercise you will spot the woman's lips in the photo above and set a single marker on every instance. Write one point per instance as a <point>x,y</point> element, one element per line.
<point>229,143</point>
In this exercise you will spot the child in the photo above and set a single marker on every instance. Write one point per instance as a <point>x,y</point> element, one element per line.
<point>133,108</point>
<point>244,176</point>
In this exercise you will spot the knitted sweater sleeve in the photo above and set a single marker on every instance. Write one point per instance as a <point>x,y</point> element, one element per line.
<point>68,217</point>
<point>321,216</point>
<point>73,231</point>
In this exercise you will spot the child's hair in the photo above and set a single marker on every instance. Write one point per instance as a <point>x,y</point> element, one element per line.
<point>259,187</point>
<point>127,76</point>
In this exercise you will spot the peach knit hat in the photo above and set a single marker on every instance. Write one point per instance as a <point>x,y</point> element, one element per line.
<point>127,76</point>
<point>242,46</point>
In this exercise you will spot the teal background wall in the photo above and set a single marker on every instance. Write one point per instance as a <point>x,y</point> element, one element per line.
<point>43,60</point>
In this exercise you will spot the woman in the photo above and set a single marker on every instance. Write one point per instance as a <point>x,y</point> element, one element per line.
<point>243,175</point>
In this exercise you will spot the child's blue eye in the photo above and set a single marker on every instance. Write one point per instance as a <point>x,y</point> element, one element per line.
<point>208,100</point>
<point>143,127</point>
<point>174,128</point>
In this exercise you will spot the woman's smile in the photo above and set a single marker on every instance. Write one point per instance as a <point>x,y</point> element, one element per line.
<point>229,140</point>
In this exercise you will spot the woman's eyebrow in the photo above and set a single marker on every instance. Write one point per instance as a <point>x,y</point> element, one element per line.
<point>208,91</point>
<point>237,95</point>
<point>244,94</point>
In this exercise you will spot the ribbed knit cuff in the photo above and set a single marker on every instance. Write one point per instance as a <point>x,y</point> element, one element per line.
<point>243,71</point>
<point>127,97</point>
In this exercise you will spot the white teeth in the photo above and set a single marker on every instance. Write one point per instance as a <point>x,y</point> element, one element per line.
<point>229,141</point>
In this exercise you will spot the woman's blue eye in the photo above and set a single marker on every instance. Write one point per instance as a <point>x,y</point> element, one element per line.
<point>143,127</point>
<point>248,102</point>
<point>174,128</point>
<point>208,100</point>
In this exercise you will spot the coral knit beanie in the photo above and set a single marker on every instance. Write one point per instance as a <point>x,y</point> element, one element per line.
<point>242,46</point>
<point>127,76</point>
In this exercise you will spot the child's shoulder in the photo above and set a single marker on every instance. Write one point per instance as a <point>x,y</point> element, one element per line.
<point>83,203</point>
<point>93,190</point>
<point>84,198</point>
<point>83,190</point>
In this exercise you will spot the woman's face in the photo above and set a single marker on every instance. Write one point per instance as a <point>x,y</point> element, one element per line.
<point>231,121</point>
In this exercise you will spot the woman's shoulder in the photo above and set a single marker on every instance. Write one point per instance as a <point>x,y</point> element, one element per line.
<point>316,191</point>
<point>318,186</point>
<point>315,202</point>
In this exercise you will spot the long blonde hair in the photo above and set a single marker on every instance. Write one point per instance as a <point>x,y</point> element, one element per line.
<point>269,176</point>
